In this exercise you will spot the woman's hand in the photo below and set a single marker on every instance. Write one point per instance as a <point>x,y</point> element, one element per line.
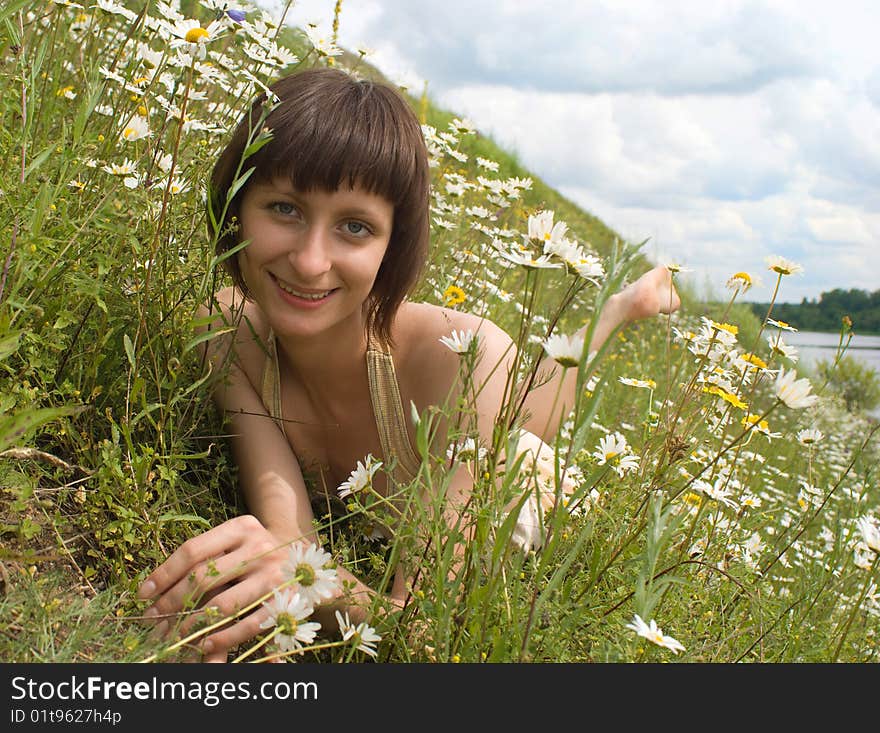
<point>228,568</point>
<point>653,293</point>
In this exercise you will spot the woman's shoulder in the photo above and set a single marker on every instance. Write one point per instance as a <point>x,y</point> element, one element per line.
<point>426,321</point>
<point>238,324</point>
<point>422,335</point>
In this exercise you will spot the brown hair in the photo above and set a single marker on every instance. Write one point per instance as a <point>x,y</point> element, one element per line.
<point>329,130</point>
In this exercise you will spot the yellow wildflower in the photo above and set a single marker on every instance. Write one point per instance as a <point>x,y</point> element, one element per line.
<point>454,295</point>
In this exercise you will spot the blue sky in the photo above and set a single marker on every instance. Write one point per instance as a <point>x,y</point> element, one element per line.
<point>723,132</point>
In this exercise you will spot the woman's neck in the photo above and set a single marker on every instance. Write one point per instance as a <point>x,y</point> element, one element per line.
<point>331,364</point>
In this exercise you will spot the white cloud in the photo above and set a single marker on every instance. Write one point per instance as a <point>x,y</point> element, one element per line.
<point>724,131</point>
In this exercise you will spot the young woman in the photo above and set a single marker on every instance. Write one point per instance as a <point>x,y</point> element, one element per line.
<point>326,351</point>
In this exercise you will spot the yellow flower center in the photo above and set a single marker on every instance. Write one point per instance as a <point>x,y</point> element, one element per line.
<point>730,328</point>
<point>306,574</point>
<point>610,454</point>
<point>744,276</point>
<point>454,295</point>
<point>286,623</point>
<point>756,360</point>
<point>196,35</point>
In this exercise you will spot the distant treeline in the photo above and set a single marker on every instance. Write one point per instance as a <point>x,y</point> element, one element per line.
<point>827,313</point>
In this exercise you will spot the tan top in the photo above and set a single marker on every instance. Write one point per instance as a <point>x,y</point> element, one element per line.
<point>384,397</point>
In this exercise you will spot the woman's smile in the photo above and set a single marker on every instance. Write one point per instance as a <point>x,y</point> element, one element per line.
<point>302,297</point>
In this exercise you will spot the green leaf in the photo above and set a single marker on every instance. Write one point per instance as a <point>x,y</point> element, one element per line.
<point>16,428</point>
<point>12,7</point>
<point>38,160</point>
<point>238,183</point>
<point>217,259</point>
<point>9,344</point>
<point>172,517</point>
<point>129,349</point>
<point>264,138</point>
<point>206,336</point>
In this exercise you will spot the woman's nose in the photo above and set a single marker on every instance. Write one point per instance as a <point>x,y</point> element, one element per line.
<point>311,258</point>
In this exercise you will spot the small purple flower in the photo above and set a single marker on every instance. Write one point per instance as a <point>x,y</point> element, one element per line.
<point>236,15</point>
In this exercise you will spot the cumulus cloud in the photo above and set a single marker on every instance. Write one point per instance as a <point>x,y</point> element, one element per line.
<point>723,132</point>
<point>677,46</point>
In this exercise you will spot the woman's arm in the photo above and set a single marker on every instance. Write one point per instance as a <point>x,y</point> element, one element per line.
<point>232,565</point>
<point>651,294</point>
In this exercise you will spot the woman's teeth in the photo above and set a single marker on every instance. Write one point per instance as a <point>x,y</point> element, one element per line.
<point>305,296</point>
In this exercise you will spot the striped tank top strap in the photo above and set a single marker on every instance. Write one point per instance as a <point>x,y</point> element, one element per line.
<point>388,412</point>
<point>271,386</point>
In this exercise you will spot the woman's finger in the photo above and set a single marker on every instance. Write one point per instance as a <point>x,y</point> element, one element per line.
<point>193,590</point>
<point>218,541</point>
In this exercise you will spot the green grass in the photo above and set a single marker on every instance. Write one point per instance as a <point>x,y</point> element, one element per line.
<point>111,453</point>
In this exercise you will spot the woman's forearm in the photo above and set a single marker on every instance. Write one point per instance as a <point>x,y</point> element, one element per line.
<point>558,391</point>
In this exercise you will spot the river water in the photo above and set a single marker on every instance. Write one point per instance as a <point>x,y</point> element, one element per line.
<point>813,346</point>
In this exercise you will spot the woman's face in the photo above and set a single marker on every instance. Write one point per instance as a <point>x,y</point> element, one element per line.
<point>313,255</point>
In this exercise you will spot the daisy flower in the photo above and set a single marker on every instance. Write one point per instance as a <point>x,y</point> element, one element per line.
<point>529,262</point>
<point>751,361</point>
<point>191,38</point>
<point>309,566</point>
<point>782,266</point>
<point>717,491</point>
<point>463,126</point>
<point>542,229</point>
<point>111,7</point>
<point>782,325</point>
<point>323,46</point>
<point>565,350</point>
<point>654,634</point>
<point>778,346</point>
<point>795,393</point>
<point>288,611</point>
<point>870,532</point>
<point>126,168</point>
<point>176,186</point>
<point>642,383</point>
<point>135,129</point>
<point>754,422</point>
<point>466,450</point>
<point>459,341</point>
<point>360,478</point>
<point>614,450</point>
<point>589,267</point>
<point>809,436</point>
<point>362,636</point>
<point>742,281</point>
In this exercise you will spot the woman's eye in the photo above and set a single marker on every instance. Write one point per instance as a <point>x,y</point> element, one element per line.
<point>282,207</point>
<point>356,228</point>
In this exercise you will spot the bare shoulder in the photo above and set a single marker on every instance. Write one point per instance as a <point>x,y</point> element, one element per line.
<point>427,364</point>
<point>241,331</point>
